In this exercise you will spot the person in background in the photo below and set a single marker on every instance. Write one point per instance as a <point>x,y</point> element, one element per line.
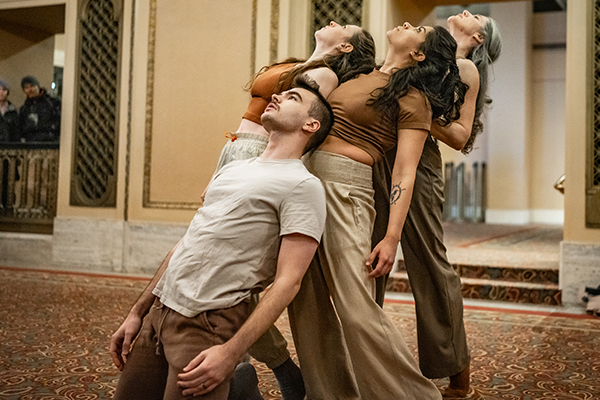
<point>9,132</point>
<point>9,116</point>
<point>39,117</point>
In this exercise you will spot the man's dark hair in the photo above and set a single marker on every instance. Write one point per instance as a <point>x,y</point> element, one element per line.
<point>319,110</point>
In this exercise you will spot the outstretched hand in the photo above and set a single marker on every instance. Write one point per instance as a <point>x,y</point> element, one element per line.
<point>207,370</point>
<point>120,343</point>
<point>385,253</point>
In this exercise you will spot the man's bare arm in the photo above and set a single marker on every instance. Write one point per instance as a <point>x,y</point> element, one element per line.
<point>212,366</point>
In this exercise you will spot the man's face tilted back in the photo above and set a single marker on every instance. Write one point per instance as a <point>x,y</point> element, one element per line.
<point>288,111</point>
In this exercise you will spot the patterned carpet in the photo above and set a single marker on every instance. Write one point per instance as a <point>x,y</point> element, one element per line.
<point>55,329</point>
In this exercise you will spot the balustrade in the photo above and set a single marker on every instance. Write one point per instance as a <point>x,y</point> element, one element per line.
<point>28,186</point>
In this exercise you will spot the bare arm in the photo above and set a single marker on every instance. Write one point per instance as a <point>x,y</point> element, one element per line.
<point>120,342</point>
<point>457,133</point>
<point>325,78</point>
<point>410,147</point>
<point>212,366</point>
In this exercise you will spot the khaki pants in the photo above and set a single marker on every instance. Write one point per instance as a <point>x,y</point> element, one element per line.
<point>167,342</point>
<point>347,346</point>
<point>245,146</point>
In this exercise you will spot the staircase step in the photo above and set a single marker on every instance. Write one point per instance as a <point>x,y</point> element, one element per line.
<point>509,274</point>
<point>542,276</point>
<point>509,289</point>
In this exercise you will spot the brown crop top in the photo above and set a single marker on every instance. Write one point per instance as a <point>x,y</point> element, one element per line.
<point>363,126</point>
<point>262,90</point>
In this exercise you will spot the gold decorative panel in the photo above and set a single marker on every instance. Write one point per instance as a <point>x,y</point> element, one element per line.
<point>93,180</point>
<point>592,214</point>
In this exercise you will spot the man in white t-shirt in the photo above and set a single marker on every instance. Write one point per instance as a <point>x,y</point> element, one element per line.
<point>261,222</point>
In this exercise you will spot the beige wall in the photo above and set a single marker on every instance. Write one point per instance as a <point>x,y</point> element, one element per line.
<point>200,61</point>
<point>294,39</point>
<point>580,249</point>
<point>524,130</point>
<point>509,125</point>
<point>67,127</point>
<point>548,140</point>
<point>197,92</point>
<point>25,58</point>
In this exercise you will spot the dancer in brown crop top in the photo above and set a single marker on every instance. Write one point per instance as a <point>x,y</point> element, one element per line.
<point>436,286</point>
<point>335,313</point>
<point>363,126</point>
<point>395,104</point>
<point>262,90</point>
<point>334,43</point>
<point>341,53</point>
<point>442,340</point>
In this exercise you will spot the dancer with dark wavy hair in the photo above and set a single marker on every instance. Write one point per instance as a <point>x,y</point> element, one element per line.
<point>347,346</point>
<point>436,286</point>
<point>443,349</point>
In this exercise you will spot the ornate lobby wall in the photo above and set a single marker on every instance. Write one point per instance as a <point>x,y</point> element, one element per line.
<point>181,68</point>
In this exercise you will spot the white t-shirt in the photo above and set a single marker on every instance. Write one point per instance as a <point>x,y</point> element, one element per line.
<point>231,246</point>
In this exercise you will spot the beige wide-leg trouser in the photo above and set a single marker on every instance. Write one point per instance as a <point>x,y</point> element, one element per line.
<point>347,347</point>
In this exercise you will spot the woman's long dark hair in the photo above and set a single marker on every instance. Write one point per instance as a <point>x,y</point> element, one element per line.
<point>361,60</point>
<point>436,76</point>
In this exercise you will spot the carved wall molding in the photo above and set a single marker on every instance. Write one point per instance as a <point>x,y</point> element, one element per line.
<point>147,201</point>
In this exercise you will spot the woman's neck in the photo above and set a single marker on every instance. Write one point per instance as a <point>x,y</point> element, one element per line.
<point>319,53</point>
<point>463,51</point>
<point>393,62</point>
<point>463,45</point>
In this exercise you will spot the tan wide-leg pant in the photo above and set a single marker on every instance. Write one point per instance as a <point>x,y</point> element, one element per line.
<point>347,346</point>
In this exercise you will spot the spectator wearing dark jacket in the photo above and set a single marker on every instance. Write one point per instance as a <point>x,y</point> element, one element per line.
<point>9,116</point>
<point>39,117</point>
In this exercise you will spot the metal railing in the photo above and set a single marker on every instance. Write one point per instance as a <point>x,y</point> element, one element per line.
<point>28,186</point>
<point>465,192</point>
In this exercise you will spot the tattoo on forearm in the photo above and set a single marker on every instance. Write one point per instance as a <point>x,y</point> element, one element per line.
<point>395,193</point>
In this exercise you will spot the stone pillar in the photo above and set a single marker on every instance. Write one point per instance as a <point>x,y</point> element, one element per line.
<point>580,249</point>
